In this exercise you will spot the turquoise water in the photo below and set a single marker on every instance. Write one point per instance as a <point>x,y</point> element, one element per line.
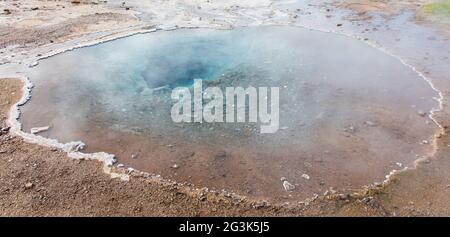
<point>161,61</point>
<point>346,109</point>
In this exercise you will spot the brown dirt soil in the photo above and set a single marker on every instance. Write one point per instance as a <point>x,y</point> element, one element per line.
<point>385,6</point>
<point>49,34</point>
<point>362,10</point>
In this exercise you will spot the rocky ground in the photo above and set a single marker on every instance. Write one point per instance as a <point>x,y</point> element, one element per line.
<point>40,181</point>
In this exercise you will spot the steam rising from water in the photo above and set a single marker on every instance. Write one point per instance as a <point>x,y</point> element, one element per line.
<point>346,109</point>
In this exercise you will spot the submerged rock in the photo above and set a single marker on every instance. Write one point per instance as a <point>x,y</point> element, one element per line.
<point>39,129</point>
<point>421,113</point>
<point>370,123</point>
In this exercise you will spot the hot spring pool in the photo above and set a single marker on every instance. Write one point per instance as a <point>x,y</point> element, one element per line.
<point>348,112</point>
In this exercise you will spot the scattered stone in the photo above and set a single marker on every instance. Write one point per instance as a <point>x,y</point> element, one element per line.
<point>260,204</point>
<point>305,176</point>
<point>4,130</point>
<point>134,156</point>
<point>344,197</point>
<point>331,191</point>
<point>339,25</point>
<point>421,113</point>
<point>399,164</point>
<point>202,197</point>
<point>425,142</point>
<point>367,199</point>
<point>288,186</point>
<point>175,166</point>
<point>120,165</point>
<point>2,151</point>
<point>6,11</point>
<point>34,8</point>
<point>39,129</point>
<point>29,185</point>
<point>247,131</point>
<point>74,146</point>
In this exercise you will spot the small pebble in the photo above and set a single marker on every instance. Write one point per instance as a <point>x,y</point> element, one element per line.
<point>421,113</point>
<point>288,186</point>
